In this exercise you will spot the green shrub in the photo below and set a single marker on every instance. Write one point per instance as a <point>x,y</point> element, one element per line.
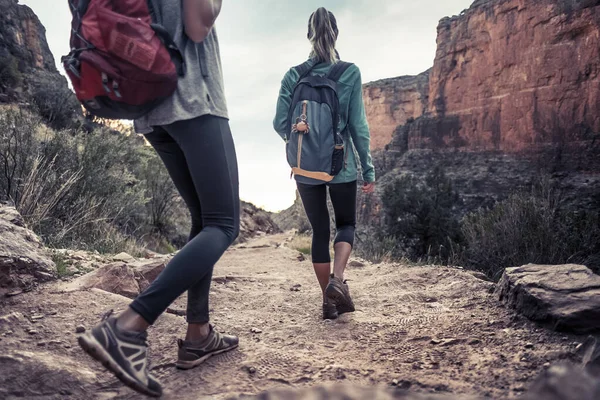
<point>56,103</point>
<point>531,228</point>
<point>420,216</point>
<point>376,247</point>
<point>10,76</point>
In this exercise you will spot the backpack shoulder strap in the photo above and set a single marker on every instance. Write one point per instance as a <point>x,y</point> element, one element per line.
<point>338,70</point>
<point>304,69</point>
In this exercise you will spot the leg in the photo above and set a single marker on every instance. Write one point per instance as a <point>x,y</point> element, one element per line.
<point>210,153</point>
<point>176,163</point>
<point>314,198</point>
<point>343,198</point>
<point>174,160</point>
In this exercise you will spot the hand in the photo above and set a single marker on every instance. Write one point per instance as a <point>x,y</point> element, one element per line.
<point>368,187</point>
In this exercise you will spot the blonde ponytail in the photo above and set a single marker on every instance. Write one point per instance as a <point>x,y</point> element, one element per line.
<point>323,34</point>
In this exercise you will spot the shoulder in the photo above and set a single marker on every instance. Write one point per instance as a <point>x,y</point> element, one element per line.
<point>352,75</point>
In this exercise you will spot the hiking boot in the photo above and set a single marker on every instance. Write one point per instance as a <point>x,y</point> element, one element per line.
<point>192,354</point>
<point>329,310</point>
<point>338,293</point>
<point>123,354</point>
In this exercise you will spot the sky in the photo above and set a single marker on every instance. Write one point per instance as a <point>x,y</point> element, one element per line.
<point>261,39</point>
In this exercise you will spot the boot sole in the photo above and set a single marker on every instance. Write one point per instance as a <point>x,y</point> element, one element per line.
<point>185,365</point>
<point>339,300</point>
<point>91,346</point>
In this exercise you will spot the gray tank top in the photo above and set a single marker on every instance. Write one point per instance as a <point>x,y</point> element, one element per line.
<point>200,91</point>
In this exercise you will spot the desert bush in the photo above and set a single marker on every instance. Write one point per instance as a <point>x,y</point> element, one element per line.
<point>10,76</point>
<point>420,216</point>
<point>75,189</point>
<point>18,150</point>
<point>376,247</point>
<point>55,103</point>
<point>302,243</point>
<point>533,227</point>
<point>160,192</point>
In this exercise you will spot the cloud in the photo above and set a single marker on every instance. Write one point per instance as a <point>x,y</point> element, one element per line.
<point>261,39</point>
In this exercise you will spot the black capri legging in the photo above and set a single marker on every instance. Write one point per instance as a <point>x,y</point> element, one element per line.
<point>343,198</point>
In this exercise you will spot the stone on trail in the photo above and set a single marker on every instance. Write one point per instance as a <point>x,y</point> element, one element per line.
<point>24,261</point>
<point>27,374</point>
<point>565,296</point>
<point>124,257</point>
<point>127,280</point>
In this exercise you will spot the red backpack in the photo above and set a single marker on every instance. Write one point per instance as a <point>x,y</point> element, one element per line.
<point>122,62</point>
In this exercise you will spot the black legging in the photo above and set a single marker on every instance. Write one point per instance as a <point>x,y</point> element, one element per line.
<point>343,198</point>
<point>200,157</point>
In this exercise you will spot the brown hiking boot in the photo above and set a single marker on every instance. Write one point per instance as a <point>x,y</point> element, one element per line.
<point>192,354</point>
<point>329,310</point>
<point>338,293</point>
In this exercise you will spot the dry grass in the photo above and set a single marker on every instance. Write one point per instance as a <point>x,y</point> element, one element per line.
<point>303,243</point>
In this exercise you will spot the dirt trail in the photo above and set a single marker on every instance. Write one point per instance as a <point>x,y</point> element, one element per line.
<point>430,329</point>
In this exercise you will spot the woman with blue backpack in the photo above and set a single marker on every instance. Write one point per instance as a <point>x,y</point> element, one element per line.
<point>321,117</point>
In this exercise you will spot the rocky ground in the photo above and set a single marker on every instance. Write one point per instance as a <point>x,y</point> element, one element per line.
<point>424,329</point>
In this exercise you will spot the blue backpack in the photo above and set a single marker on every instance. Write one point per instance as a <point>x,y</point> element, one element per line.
<point>315,148</point>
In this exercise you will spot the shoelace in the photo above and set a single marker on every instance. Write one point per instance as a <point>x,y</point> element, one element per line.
<point>107,315</point>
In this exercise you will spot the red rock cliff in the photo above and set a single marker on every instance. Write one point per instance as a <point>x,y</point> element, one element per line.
<point>508,75</point>
<point>393,102</point>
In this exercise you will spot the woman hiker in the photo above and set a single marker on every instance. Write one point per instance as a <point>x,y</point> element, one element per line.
<point>190,132</point>
<point>324,62</point>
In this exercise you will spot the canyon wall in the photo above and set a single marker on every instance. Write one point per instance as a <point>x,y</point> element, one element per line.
<point>393,102</point>
<point>508,75</point>
<point>26,62</point>
<point>514,93</point>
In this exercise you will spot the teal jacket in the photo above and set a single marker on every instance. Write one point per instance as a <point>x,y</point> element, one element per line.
<point>353,116</point>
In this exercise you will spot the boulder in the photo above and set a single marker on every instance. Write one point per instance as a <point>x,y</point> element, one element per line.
<point>23,259</point>
<point>565,296</point>
<point>26,375</point>
<point>121,278</point>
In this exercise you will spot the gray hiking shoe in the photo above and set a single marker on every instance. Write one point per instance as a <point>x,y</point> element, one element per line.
<point>338,293</point>
<point>193,354</point>
<point>123,354</point>
<point>329,310</point>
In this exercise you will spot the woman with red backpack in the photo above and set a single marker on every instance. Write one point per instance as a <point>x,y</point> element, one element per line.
<point>190,132</point>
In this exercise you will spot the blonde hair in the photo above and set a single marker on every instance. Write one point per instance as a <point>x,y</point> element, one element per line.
<point>323,33</point>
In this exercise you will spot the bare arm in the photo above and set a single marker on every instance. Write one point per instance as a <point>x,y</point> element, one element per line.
<point>199,17</point>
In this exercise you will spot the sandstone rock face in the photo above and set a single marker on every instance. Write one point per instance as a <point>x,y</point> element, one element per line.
<point>23,259</point>
<point>23,47</point>
<point>508,75</point>
<point>515,73</point>
<point>393,102</point>
<point>23,36</point>
<point>514,90</point>
<point>565,296</point>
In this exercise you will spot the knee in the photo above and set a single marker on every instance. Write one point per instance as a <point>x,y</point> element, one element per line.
<point>235,231</point>
<point>345,234</point>
<point>232,231</point>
